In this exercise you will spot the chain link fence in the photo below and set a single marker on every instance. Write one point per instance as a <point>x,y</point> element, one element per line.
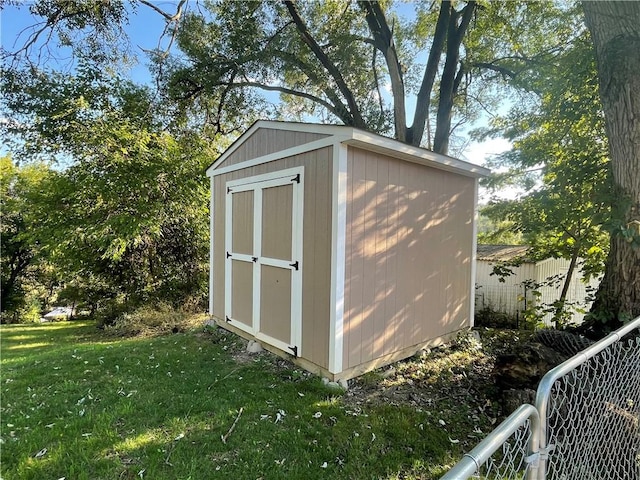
<point>589,421</point>
<point>506,453</point>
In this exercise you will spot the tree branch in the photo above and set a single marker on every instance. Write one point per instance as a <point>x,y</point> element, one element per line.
<point>326,62</point>
<point>383,38</point>
<point>505,72</point>
<point>289,91</point>
<point>168,17</point>
<point>455,34</point>
<point>423,100</point>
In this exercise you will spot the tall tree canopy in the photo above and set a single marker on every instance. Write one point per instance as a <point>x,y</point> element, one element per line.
<point>415,72</point>
<point>360,63</point>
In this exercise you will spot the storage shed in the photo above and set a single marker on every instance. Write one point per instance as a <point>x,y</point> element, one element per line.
<point>515,293</point>
<point>340,248</point>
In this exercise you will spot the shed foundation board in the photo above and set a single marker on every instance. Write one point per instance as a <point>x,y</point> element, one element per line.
<point>351,372</point>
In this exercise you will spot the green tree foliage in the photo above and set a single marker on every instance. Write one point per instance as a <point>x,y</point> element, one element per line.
<point>19,247</point>
<point>560,153</point>
<point>127,219</point>
<point>360,63</point>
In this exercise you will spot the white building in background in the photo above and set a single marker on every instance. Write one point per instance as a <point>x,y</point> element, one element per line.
<point>516,293</point>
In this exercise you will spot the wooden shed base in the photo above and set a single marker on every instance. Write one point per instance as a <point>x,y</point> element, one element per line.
<point>351,372</point>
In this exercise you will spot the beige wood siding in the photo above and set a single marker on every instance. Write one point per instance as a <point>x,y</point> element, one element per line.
<point>268,140</point>
<point>316,263</point>
<point>409,241</point>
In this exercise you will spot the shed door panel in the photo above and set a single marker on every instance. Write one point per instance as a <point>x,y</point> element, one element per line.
<point>277,210</point>
<point>275,303</point>
<point>243,222</point>
<point>242,292</point>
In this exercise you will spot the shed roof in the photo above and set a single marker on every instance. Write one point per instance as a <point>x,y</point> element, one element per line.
<point>364,140</point>
<point>503,253</point>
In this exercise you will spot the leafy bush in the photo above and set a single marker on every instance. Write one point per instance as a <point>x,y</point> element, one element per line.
<point>491,317</point>
<point>30,312</point>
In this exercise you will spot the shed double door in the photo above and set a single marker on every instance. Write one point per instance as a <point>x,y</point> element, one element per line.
<point>263,244</point>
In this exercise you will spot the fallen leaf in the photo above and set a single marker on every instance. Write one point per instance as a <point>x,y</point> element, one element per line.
<point>317,415</point>
<point>324,465</point>
<point>41,453</point>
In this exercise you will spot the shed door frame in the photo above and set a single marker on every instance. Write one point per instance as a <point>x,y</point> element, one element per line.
<point>256,184</point>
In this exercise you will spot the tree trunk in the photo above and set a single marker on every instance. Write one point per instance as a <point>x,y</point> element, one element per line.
<point>565,288</point>
<point>615,30</point>
<point>450,79</point>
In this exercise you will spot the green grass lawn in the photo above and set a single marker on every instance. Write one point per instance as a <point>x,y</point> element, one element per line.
<point>78,404</point>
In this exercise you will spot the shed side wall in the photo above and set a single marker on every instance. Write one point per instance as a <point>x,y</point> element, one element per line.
<point>409,241</point>
<point>316,263</point>
<point>268,140</point>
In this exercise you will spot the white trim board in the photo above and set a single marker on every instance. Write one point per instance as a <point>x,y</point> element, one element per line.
<point>289,152</point>
<point>474,248</point>
<point>338,257</point>
<point>211,243</point>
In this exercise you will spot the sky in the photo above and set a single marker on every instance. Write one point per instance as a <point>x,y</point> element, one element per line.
<point>145,28</point>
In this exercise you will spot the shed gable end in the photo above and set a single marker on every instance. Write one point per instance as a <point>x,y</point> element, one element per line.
<point>265,141</point>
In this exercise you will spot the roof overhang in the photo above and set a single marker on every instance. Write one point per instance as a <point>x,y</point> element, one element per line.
<point>363,140</point>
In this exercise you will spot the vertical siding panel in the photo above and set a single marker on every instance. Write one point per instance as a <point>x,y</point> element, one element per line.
<point>409,257</point>
<point>356,293</point>
<point>367,326</point>
<point>322,269</point>
<point>268,140</point>
<point>218,245</point>
<point>390,310</point>
<point>404,319</point>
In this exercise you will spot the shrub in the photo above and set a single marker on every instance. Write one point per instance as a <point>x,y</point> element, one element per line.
<point>490,317</point>
<point>30,312</point>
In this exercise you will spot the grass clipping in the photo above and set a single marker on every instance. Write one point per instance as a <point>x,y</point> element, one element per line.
<point>155,320</point>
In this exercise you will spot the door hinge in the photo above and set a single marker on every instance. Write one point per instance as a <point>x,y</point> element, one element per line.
<point>294,265</point>
<point>227,318</point>
<point>228,189</point>
<point>228,254</point>
<point>294,349</point>
<point>255,259</point>
<point>296,178</point>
